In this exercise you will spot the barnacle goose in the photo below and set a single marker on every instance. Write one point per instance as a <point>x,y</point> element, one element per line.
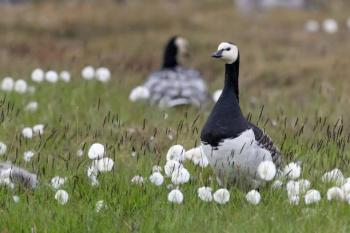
<point>234,146</point>
<point>173,84</point>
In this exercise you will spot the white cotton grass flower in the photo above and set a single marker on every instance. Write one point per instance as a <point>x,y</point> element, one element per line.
<point>180,176</point>
<point>80,153</point>
<point>7,84</point>
<point>38,129</point>
<point>176,152</point>
<point>103,74</point>
<point>31,89</point>
<point>312,25</point>
<point>62,197</point>
<point>27,132</point>
<point>92,173</point>
<point>266,170</point>
<point>157,168</point>
<point>38,75</point>
<point>175,196</point>
<point>335,193</point>
<point>156,178</point>
<point>96,151</point>
<point>197,157</point>
<point>294,199</point>
<point>171,166</point>
<point>28,155</point>
<point>333,176</point>
<point>15,198</point>
<point>292,171</point>
<point>277,184</point>
<point>217,95</point>
<point>312,196</point>
<point>221,196</point>
<point>204,193</point>
<point>293,188</point>
<point>346,188</point>
<point>100,206</point>
<point>304,185</point>
<point>139,93</point>
<point>5,178</point>
<point>104,164</point>
<point>21,86</point>
<point>57,182</point>
<point>3,148</point>
<point>253,197</point>
<point>51,76</point>
<point>31,106</point>
<point>330,26</point>
<point>88,73</point>
<point>65,76</point>
<point>138,180</point>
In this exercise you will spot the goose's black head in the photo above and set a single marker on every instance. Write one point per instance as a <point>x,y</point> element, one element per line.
<point>174,50</point>
<point>228,52</point>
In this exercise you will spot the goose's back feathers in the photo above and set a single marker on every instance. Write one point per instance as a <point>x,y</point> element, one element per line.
<point>176,86</point>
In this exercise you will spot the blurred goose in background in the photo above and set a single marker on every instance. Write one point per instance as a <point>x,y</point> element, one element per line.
<point>173,85</point>
<point>11,174</point>
<point>234,146</point>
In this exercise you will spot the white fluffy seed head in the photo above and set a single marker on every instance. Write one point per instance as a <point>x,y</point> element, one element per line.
<point>27,132</point>
<point>156,178</point>
<point>57,182</point>
<point>88,73</point>
<point>294,199</point>
<point>221,196</point>
<point>217,95</point>
<point>51,76</point>
<point>180,176</point>
<point>312,26</point>
<point>7,84</point>
<point>204,193</point>
<point>62,197</point>
<point>330,26</point>
<point>96,151</point>
<point>21,86</point>
<point>266,170</point>
<point>346,188</point>
<point>31,106</point>
<point>253,197</point>
<point>28,155</point>
<point>103,74</point>
<point>16,198</point>
<point>104,164</point>
<point>139,180</point>
<point>175,196</point>
<point>38,75</point>
<point>3,148</point>
<point>292,171</point>
<point>100,206</point>
<point>65,76</point>
<point>304,185</point>
<point>293,188</point>
<point>171,166</point>
<point>157,168</point>
<point>38,129</point>
<point>312,196</point>
<point>277,184</point>
<point>333,176</point>
<point>139,93</point>
<point>177,153</point>
<point>335,193</point>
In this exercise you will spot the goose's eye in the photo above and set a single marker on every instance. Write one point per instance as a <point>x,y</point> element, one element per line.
<point>228,49</point>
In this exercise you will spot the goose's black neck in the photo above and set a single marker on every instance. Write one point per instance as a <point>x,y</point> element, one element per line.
<point>170,54</point>
<point>231,78</point>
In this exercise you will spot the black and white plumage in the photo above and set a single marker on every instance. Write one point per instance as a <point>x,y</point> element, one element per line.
<point>234,146</point>
<point>173,84</point>
<point>18,175</point>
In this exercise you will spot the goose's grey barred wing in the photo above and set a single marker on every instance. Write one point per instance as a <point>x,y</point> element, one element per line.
<point>173,87</point>
<point>18,175</point>
<point>266,142</point>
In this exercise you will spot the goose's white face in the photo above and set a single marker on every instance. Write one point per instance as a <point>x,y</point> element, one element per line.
<point>227,52</point>
<point>182,46</point>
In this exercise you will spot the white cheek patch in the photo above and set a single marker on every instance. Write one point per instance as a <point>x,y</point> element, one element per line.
<point>182,45</point>
<point>228,56</point>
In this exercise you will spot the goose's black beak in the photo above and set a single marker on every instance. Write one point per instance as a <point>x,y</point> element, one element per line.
<point>217,54</point>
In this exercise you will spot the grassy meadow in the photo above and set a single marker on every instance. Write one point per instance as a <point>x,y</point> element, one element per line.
<point>293,83</point>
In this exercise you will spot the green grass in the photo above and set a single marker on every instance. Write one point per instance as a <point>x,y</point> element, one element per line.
<point>300,79</point>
